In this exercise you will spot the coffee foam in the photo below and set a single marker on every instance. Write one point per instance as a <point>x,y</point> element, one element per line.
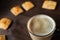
<point>41,25</point>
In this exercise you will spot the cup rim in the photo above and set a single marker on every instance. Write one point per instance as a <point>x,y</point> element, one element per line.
<point>29,21</point>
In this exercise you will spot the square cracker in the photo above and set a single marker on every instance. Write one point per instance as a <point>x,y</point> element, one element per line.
<point>49,5</point>
<point>16,10</point>
<point>2,37</point>
<point>27,5</point>
<point>4,23</point>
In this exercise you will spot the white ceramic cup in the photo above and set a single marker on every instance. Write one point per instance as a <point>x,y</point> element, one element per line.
<point>49,30</point>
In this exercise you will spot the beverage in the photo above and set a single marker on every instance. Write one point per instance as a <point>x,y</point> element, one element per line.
<point>41,27</point>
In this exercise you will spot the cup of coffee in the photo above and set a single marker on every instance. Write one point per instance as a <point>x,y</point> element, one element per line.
<point>41,27</point>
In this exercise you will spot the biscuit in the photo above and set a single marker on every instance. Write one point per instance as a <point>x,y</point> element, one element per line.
<point>16,10</point>
<point>49,5</point>
<point>2,37</point>
<point>27,5</point>
<point>4,23</point>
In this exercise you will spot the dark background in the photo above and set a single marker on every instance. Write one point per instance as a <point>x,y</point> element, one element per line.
<point>18,28</point>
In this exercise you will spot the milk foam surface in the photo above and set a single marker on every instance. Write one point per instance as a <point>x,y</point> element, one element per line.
<point>41,26</point>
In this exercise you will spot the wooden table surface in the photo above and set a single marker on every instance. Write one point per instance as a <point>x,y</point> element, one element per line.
<point>18,29</point>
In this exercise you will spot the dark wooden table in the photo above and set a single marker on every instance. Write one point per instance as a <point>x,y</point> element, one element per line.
<point>18,29</point>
